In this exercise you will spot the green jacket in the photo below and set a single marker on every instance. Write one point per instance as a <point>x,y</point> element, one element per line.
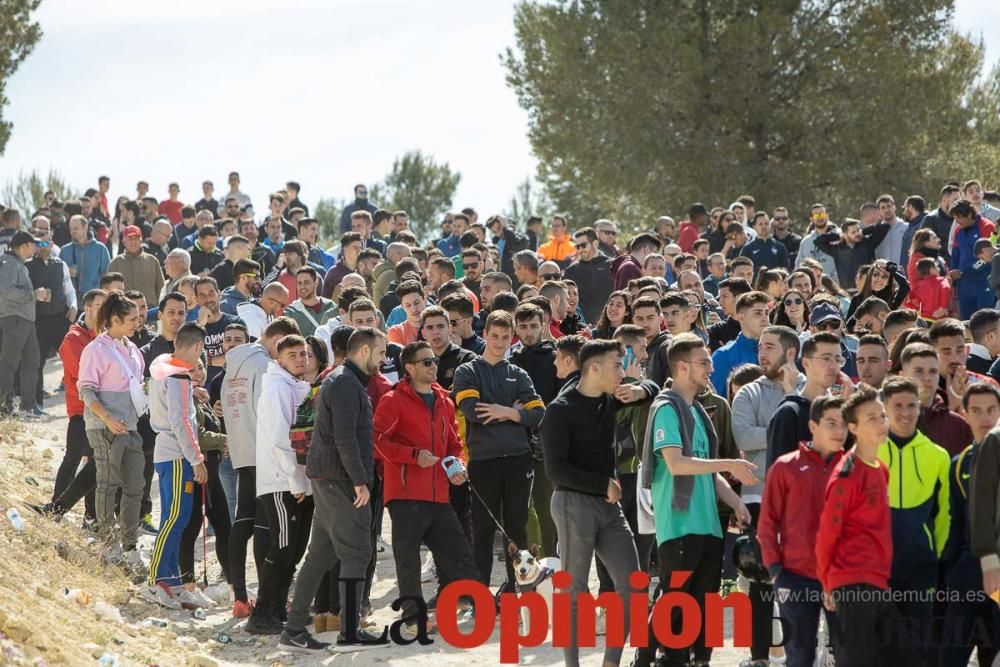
<point>919,500</point>
<point>209,437</point>
<point>308,319</point>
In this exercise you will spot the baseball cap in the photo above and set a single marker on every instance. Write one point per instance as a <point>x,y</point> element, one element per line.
<point>131,231</point>
<point>697,209</point>
<point>824,312</point>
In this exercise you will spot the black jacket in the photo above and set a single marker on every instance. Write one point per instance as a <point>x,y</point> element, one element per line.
<point>788,427</point>
<point>657,369</point>
<point>452,358</point>
<point>940,222</point>
<point>593,281</point>
<point>848,259</point>
<point>343,437</point>
<point>539,363</point>
<point>722,332</point>
<point>513,242</point>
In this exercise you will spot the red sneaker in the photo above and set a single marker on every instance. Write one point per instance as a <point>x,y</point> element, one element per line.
<point>242,609</point>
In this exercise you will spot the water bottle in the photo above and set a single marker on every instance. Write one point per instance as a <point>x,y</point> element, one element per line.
<point>15,519</point>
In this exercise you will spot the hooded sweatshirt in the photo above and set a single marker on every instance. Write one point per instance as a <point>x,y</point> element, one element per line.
<point>278,470</point>
<point>624,269</point>
<point>105,369</point>
<point>172,412</point>
<point>788,426</point>
<point>245,368</point>
<point>70,351</point>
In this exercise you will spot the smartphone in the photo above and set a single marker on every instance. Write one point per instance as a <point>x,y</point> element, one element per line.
<point>628,358</point>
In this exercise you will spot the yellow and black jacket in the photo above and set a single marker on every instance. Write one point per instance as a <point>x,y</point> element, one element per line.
<point>918,498</point>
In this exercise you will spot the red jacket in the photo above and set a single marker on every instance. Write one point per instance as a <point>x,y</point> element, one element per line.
<point>944,427</point>
<point>854,543</point>
<point>70,351</point>
<point>928,295</point>
<point>790,510</point>
<point>402,428</point>
<point>687,235</point>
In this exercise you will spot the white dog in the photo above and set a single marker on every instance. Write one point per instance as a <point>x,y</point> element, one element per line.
<point>534,574</point>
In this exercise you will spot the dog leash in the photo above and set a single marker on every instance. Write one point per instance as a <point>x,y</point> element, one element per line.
<point>453,466</point>
<point>204,534</point>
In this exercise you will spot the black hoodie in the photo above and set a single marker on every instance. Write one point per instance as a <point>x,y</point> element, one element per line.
<point>788,427</point>
<point>657,369</point>
<point>539,363</point>
<point>452,358</point>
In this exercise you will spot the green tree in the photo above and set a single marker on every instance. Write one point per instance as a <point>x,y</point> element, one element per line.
<point>419,186</point>
<point>327,212</point>
<point>528,200</point>
<point>27,192</point>
<point>20,35</point>
<point>639,107</point>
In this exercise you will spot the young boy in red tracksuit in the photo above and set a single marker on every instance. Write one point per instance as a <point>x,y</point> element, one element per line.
<point>931,293</point>
<point>789,521</point>
<point>854,544</point>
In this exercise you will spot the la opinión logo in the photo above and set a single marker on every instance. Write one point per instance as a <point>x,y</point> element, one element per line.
<point>542,619</point>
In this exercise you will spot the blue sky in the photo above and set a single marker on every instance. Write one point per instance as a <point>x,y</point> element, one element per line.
<point>323,92</point>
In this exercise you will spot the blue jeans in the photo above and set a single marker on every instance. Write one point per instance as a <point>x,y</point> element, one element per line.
<point>800,601</point>
<point>228,477</point>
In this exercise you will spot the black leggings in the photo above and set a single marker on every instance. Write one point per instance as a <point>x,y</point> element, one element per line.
<point>292,521</point>
<point>71,485</point>
<point>251,521</point>
<point>217,511</point>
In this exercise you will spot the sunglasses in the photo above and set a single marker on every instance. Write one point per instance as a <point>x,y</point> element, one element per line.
<point>793,302</point>
<point>549,276</point>
<point>455,323</point>
<point>832,325</point>
<point>41,244</point>
<point>467,267</point>
<point>580,246</point>
<point>428,362</point>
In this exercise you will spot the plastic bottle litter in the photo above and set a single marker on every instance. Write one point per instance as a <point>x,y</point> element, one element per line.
<point>223,638</point>
<point>31,480</point>
<point>108,660</point>
<point>108,612</point>
<point>155,622</point>
<point>15,519</point>
<point>81,597</point>
<point>199,614</point>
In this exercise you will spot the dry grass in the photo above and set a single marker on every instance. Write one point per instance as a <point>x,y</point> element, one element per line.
<point>36,563</point>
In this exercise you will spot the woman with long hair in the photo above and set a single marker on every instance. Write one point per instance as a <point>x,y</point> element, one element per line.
<point>829,286</point>
<point>617,311</point>
<point>697,302</point>
<point>110,384</point>
<point>925,244</point>
<point>792,310</point>
<point>716,232</point>
<point>884,280</point>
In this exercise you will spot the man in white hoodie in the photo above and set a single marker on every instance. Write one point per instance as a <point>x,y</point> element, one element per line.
<point>282,486</point>
<point>178,461</point>
<point>240,393</point>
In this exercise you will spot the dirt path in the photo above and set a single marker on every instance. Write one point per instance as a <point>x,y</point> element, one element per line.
<point>47,556</point>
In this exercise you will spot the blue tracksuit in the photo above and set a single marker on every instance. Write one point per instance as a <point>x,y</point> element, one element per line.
<point>742,350</point>
<point>176,501</point>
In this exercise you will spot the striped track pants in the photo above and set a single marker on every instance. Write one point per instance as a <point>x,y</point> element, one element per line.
<point>176,499</point>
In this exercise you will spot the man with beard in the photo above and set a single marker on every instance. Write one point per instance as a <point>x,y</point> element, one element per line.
<point>753,407</point>
<point>914,213</point>
<point>821,224</point>
<point>591,272</point>
<point>141,270</point>
<point>55,307</point>
<point>215,322</point>
<point>782,233</point>
<point>360,203</point>
<point>537,357</point>
<point>158,243</point>
<point>821,360</point>
<point>309,310</point>
<point>245,285</point>
<point>472,267</point>
<point>873,360</point>
<point>940,220</point>
<point>853,246</point>
<point>258,314</point>
<point>259,252</point>
<point>948,338</point>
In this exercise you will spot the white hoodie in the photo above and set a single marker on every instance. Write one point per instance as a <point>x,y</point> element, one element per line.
<point>280,396</point>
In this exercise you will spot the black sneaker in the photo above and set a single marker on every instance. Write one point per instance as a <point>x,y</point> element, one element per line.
<point>263,624</point>
<point>300,642</point>
<point>281,613</point>
<point>45,510</point>
<point>363,638</point>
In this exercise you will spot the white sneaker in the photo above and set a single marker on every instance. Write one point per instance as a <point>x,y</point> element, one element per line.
<point>429,572</point>
<point>160,595</point>
<point>192,599</point>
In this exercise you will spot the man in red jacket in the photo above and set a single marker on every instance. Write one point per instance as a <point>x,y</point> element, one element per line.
<point>415,429</point>
<point>854,544</point>
<point>71,486</point>
<point>789,521</point>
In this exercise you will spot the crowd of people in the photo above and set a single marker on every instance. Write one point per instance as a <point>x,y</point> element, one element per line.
<point>832,397</point>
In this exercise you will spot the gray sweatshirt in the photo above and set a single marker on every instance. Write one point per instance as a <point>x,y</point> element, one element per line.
<point>17,296</point>
<point>245,368</point>
<point>172,413</point>
<point>753,407</point>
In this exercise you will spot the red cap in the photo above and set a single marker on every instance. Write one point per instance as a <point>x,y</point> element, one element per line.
<point>131,231</point>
